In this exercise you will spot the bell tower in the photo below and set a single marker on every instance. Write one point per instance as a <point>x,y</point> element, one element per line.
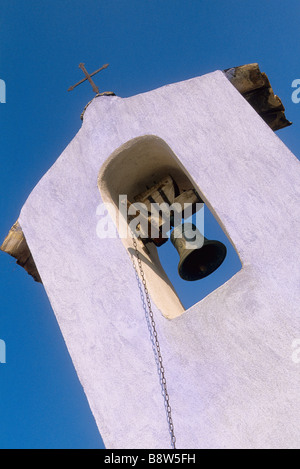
<point>228,363</point>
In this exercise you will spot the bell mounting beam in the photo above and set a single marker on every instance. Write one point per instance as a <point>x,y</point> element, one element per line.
<point>88,77</point>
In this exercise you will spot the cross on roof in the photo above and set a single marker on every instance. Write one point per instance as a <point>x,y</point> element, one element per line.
<point>88,77</point>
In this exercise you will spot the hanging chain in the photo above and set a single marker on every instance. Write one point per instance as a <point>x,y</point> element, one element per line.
<point>155,341</point>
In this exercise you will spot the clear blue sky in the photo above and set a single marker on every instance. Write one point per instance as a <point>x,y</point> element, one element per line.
<point>148,44</point>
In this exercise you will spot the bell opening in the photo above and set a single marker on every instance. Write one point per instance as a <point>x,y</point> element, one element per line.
<point>137,169</point>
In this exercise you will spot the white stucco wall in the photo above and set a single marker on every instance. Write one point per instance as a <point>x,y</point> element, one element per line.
<point>228,359</point>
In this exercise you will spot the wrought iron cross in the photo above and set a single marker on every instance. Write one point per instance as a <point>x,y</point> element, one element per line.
<point>89,78</point>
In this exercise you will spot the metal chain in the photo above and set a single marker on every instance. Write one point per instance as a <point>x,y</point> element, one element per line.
<point>155,340</point>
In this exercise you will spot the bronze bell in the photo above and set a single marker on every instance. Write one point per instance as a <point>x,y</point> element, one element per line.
<point>199,257</point>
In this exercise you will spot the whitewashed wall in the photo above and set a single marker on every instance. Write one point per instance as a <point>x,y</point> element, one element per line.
<point>228,360</point>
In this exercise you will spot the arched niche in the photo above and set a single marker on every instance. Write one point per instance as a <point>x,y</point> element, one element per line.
<point>130,170</point>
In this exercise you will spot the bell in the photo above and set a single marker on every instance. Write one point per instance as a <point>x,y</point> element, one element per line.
<point>199,257</point>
